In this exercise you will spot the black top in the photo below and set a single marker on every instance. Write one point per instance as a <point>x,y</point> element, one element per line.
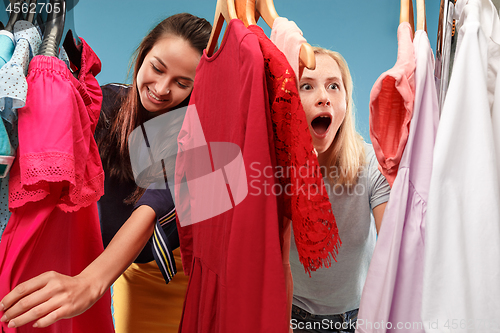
<point>113,212</point>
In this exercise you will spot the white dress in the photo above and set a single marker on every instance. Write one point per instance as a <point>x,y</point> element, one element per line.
<point>461,291</point>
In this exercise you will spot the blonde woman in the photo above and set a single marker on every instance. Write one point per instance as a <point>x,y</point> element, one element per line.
<point>328,301</point>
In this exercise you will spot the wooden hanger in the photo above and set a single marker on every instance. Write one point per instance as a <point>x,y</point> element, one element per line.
<point>224,11</point>
<point>245,9</point>
<point>266,10</point>
<point>421,20</point>
<point>406,13</point>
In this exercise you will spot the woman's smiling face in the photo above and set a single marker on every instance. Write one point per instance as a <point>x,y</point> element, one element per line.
<point>166,76</point>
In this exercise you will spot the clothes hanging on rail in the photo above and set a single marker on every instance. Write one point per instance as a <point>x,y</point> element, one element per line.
<point>391,106</point>
<point>393,288</point>
<point>462,235</point>
<point>13,97</point>
<point>54,184</point>
<point>234,259</point>
<point>287,36</point>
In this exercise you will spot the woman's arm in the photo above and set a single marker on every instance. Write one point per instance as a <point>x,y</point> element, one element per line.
<point>51,296</point>
<point>378,213</point>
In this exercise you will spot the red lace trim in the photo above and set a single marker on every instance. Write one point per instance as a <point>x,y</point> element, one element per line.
<point>314,226</point>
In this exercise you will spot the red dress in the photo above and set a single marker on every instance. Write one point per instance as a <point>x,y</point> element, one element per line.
<point>234,259</point>
<point>54,185</point>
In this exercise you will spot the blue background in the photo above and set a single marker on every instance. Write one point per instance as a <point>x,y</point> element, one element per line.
<point>363,31</point>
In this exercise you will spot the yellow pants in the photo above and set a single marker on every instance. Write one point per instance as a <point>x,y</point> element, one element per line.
<point>143,303</point>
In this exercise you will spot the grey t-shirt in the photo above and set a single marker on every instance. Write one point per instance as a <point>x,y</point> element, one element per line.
<point>337,289</point>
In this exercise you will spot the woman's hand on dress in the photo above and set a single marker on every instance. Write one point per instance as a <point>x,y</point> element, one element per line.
<point>52,296</point>
<point>48,298</point>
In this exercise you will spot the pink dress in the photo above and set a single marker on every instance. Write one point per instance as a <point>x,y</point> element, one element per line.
<point>55,183</point>
<point>391,106</point>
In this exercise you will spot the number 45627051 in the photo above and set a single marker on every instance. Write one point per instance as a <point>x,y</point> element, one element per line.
<point>33,8</point>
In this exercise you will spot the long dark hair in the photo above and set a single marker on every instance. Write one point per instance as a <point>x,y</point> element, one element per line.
<point>113,147</point>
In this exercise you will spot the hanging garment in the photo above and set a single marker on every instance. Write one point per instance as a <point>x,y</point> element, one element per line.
<point>41,237</point>
<point>233,259</point>
<point>287,36</point>
<point>6,46</point>
<point>461,292</point>
<point>54,184</point>
<point>393,288</point>
<point>491,27</point>
<point>12,97</point>
<point>391,106</point>
<point>310,210</point>
<point>337,289</point>
<point>294,151</point>
<point>77,160</point>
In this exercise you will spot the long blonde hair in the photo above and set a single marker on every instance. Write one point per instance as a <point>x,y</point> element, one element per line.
<point>346,155</point>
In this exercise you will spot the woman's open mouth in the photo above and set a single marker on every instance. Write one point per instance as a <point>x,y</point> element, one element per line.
<point>321,124</point>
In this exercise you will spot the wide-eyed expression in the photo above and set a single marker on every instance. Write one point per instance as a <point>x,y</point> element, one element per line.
<point>323,97</point>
